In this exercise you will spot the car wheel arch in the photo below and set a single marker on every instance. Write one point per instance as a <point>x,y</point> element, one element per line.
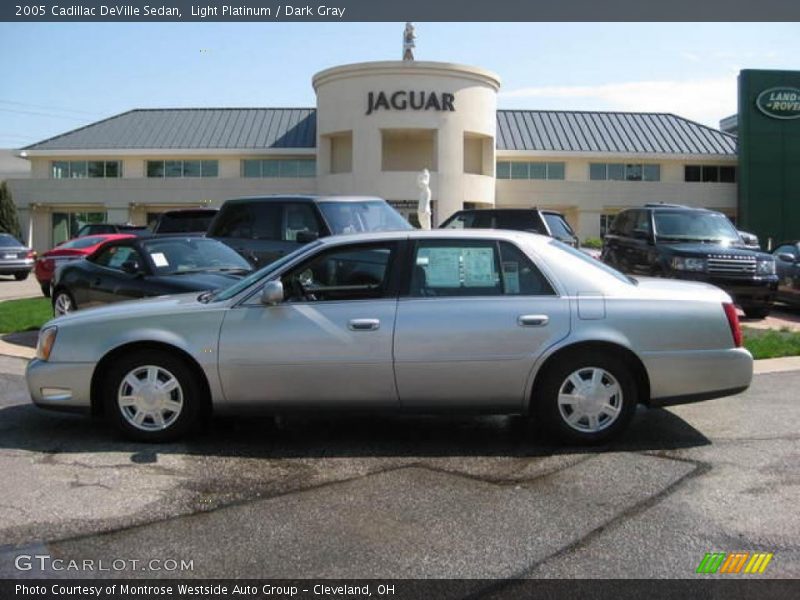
<point>102,368</point>
<point>636,365</point>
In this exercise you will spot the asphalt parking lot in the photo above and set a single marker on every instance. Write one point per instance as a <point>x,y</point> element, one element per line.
<point>406,496</point>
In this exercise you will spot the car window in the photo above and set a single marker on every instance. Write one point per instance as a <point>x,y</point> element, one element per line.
<point>462,220</point>
<point>519,220</point>
<point>113,257</point>
<point>360,216</point>
<point>185,255</point>
<point>623,223</point>
<point>299,217</point>
<point>641,223</point>
<point>350,273</point>
<point>558,226</point>
<point>83,242</point>
<point>7,241</point>
<point>184,222</point>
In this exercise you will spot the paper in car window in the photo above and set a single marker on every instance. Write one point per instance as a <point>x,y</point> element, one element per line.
<point>159,259</point>
<point>511,277</point>
<point>443,266</point>
<point>479,268</point>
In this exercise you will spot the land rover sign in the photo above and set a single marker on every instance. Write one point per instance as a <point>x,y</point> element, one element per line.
<point>780,102</point>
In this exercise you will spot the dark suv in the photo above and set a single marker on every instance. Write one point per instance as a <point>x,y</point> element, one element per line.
<point>545,222</point>
<point>669,240</point>
<point>263,229</point>
<point>184,220</point>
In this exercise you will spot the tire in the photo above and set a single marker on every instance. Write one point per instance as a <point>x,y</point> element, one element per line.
<point>756,312</point>
<point>136,406</point>
<point>21,276</point>
<point>573,423</point>
<point>63,303</point>
<point>45,289</point>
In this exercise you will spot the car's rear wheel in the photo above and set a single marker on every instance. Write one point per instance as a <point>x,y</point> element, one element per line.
<point>63,303</point>
<point>45,289</point>
<point>21,276</point>
<point>756,312</point>
<point>586,398</point>
<point>151,396</point>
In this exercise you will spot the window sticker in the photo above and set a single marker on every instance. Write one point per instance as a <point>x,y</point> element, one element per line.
<point>479,270</point>
<point>442,266</point>
<point>159,259</point>
<point>511,277</point>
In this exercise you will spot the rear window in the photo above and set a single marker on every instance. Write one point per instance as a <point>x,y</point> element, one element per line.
<point>6,241</point>
<point>359,217</point>
<point>558,226</point>
<point>252,221</point>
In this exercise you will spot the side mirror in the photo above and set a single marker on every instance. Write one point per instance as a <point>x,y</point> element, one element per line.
<point>131,267</point>
<point>272,293</point>
<point>306,236</point>
<point>786,257</point>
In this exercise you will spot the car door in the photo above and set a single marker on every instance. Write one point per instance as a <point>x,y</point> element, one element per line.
<point>615,243</point>
<point>328,344</point>
<point>476,316</point>
<point>110,281</point>
<point>640,253</point>
<point>788,274</point>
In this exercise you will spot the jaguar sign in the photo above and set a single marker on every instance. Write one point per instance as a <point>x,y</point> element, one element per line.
<point>404,100</point>
<point>780,102</point>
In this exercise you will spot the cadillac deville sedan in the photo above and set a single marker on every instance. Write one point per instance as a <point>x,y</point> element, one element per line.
<point>431,321</point>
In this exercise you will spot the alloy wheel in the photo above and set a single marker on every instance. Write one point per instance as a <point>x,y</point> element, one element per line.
<point>150,398</point>
<point>590,400</point>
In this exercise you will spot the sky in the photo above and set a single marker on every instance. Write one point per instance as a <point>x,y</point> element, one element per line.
<point>60,76</point>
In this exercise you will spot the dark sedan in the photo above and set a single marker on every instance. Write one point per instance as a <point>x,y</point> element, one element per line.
<point>140,267</point>
<point>787,265</point>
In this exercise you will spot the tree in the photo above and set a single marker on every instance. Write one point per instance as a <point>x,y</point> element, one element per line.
<point>9,222</point>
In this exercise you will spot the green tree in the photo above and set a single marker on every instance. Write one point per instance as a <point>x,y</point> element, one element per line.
<point>9,222</point>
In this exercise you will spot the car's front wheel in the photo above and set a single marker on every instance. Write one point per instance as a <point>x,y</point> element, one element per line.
<point>151,396</point>
<point>63,303</point>
<point>586,398</point>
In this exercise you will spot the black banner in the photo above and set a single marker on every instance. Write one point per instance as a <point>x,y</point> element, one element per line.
<point>405,10</point>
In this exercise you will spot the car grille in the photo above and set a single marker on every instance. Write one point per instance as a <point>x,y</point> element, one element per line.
<point>728,264</point>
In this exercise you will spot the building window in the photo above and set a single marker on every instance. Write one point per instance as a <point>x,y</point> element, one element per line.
<point>280,167</point>
<point>182,168</point>
<point>530,170</point>
<point>65,225</point>
<point>709,173</point>
<point>624,172</point>
<point>81,169</point>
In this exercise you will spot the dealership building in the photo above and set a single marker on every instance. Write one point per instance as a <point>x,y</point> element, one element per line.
<point>375,126</point>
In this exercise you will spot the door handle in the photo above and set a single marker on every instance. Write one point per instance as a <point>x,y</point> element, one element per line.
<point>364,324</point>
<point>533,320</point>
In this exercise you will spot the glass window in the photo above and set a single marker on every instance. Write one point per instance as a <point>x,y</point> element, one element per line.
<point>520,220</point>
<point>270,168</point>
<point>191,168</point>
<point>209,168</point>
<point>266,221</point>
<point>114,256</point>
<point>155,168</point>
<point>307,168</point>
<point>60,169</point>
<point>113,168</point>
<point>78,169</point>
<point>251,168</point>
<point>96,168</point>
<point>520,276</point>
<point>691,173</point>
<point>642,223</point>
<point>357,217</point>
<point>727,174</point>
<point>173,168</point>
<point>597,171</point>
<point>180,255</point>
<point>616,172</point>
<point>461,221</point>
<point>538,171</point>
<point>299,217</point>
<point>234,221</point>
<point>288,168</point>
<point>519,170</point>
<point>67,225</point>
<point>503,170</point>
<point>350,273</point>
<point>558,226</point>
<point>710,173</point>
<point>555,170</point>
<point>456,268</point>
<point>633,172</point>
<point>651,172</point>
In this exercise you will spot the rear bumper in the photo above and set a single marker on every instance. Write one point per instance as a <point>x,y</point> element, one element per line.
<point>682,377</point>
<point>761,290</point>
<point>9,267</point>
<point>60,386</point>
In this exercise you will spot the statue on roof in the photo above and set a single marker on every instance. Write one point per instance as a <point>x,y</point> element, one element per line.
<point>408,42</point>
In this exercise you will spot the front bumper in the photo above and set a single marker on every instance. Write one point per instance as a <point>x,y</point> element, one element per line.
<point>680,377</point>
<point>60,386</point>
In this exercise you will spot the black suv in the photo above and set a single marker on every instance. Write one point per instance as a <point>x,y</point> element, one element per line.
<point>263,229</point>
<point>184,220</point>
<point>669,240</point>
<point>545,222</point>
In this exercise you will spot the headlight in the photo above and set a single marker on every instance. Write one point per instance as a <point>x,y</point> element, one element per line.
<point>47,337</point>
<point>680,263</point>
<point>765,267</point>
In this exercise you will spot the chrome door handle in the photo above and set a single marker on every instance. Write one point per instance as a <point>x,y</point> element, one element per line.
<point>364,324</point>
<point>532,320</point>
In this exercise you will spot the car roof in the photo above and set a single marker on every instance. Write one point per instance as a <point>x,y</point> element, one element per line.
<point>673,207</point>
<point>302,198</point>
<point>421,234</point>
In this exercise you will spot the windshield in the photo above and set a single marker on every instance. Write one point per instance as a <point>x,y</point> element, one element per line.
<point>245,283</point>
<point>172,256</point>
<point>358,217</point>
<point>6,241</point>
<point>695,226</point>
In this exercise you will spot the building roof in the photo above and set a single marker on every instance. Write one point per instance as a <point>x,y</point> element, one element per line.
<point>265,128</point>
<point>616,132</point>
<point>193,128</point>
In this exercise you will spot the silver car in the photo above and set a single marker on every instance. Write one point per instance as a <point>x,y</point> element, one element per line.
<point>429,321</point>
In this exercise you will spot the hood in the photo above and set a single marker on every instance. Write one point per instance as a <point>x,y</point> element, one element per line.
<point>676,289</point>
<point>200,281</point>
<point>705,249</point>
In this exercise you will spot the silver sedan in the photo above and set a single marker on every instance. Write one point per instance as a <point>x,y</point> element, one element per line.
<point>447,320</point>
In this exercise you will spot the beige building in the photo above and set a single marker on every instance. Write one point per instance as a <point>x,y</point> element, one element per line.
<point>375,127</point>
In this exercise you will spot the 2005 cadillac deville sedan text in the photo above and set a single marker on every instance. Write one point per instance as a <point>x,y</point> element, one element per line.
<point>490,321</point>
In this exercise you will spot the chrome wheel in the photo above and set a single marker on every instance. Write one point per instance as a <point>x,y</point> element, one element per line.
<point>150,398</point>
<point>590,400</point>
<point>63,304</point>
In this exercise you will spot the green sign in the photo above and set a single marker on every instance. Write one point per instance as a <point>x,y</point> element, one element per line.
<point>780,102</point>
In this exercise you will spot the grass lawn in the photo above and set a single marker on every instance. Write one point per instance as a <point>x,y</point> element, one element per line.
<point>769,343</point>
<point>23,315</point>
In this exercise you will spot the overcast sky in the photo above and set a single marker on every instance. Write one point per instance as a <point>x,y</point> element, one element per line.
<point>59,76</point>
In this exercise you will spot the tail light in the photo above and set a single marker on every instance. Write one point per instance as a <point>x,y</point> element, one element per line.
<point>31,254</point>
<point>733,322</point>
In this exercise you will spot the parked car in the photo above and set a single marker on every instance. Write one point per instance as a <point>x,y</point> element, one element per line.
<point>15,257</point>
<point>48,263</point>
<point>669,240</point>
<point>546,222</point>
<point>130,268</point>
<point>430,321</point>
<point>106,228</point>
<point>188,220</point>
<point>262,229</point>
<point>787,262</point>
